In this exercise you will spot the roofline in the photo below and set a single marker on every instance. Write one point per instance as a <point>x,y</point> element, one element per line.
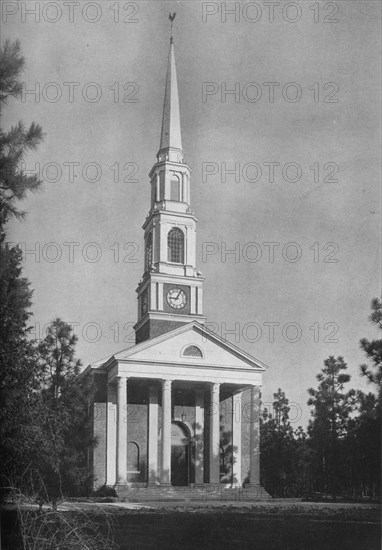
<point>109,361</point>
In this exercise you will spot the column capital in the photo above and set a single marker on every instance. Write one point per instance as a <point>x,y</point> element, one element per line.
<point>121,380</point>
<point>214,386</point>
<point>166,383</point>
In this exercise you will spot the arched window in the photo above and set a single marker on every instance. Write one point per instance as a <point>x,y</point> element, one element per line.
<point>175,245</point>
<point>132,457</point>
<point>192,351</point>
<point>175,188</point>
<point>149,250</point>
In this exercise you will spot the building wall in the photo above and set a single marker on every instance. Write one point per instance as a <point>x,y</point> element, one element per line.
<point>156,327</point>
<point>137,431</point>
<point>226,456</point>
<point>136,428</point>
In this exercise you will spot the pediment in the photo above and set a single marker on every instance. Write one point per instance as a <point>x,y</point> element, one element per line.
<point>174,348</point>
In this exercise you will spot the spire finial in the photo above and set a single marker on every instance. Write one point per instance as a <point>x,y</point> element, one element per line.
<point>171,16</point>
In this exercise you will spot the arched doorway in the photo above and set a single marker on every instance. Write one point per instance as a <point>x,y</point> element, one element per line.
<point>180,454</point>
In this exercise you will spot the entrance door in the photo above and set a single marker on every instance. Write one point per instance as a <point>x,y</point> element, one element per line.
<point>179,455</point>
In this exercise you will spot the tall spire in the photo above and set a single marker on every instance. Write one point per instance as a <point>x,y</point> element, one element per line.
<point>170,292</point>
<point>171,137</point>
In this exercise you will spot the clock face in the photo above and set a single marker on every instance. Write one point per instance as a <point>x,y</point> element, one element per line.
<point>176,298</point>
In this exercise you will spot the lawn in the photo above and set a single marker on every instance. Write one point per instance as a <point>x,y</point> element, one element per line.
<point>275,525</point>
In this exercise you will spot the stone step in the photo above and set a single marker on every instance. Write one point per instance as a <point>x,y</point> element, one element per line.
<point>160,493</point>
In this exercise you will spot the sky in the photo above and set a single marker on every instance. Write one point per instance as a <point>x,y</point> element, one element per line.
<point>285,171</point>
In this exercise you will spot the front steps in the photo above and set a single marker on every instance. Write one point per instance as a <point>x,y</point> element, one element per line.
<point>206,493</point>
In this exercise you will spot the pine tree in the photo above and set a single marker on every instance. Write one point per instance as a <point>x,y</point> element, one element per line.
<point>63,412</point>
<point>328,428</point>
<point>366,431</point>
<point>18,362</point>
<point>373,348</point>
<point>279,450</point>
<point>18,141</point>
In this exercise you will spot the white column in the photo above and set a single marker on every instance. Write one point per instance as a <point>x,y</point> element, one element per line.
<point>187,183</point>
<point>236,438</point>
<point>167,191</point>
<point>121,429</point>
<point>187,247</point>
<point>165,477</point>
<point>181,185</point>
<point>200,300</point>
<point>156,242</point>
<point>111,435</point>
<point>157,187</point>
<point>162,242</point>
<point>214,433</point>
<point>199,436</point>
<point>152,450</point>
<point>153,296</point>
<point>193,300</point>
<point>254,441</point>
<point>160,296</point>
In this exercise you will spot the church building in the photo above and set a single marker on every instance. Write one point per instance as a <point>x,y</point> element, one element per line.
<point>181,407</point>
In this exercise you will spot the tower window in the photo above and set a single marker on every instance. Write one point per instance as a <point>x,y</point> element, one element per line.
<point>175,245</point>
<point>175,189</point>
<point>149,250</point>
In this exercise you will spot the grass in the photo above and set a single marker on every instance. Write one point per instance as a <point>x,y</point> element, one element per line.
<point>275,525</point>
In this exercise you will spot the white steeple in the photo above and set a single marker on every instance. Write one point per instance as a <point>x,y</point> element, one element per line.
<point>170,292</point>
<point>171,137</point>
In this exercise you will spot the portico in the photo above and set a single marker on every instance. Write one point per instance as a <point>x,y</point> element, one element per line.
<point>155,394</point>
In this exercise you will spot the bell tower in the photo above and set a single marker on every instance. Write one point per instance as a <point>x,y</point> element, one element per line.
<point>170,292</point>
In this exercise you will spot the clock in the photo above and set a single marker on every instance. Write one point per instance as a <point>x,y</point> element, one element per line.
<point>176,298</point>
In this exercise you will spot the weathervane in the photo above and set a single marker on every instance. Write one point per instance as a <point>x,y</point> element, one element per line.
<point>171,16</point>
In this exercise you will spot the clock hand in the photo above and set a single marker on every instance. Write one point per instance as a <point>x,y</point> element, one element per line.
<point>178,295</point>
